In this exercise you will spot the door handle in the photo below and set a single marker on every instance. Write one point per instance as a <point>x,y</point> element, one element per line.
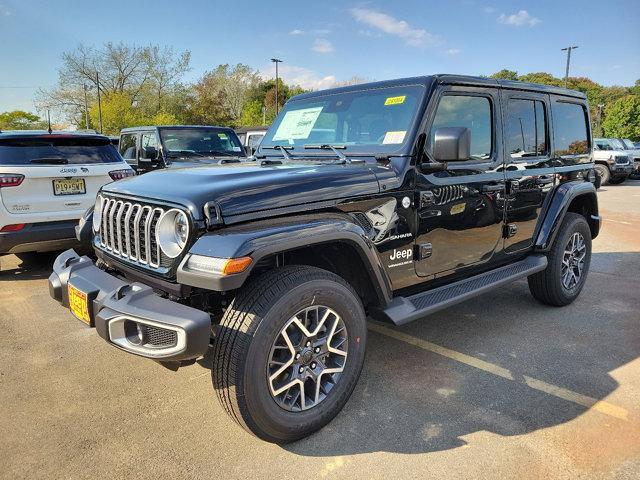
<point>492,188</point>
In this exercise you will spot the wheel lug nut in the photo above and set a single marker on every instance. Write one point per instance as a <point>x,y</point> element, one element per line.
<point>317,349</point>
<point>297,356</point>
<point>308,344</point>
<point>313,365</point>
<point>301,370</point>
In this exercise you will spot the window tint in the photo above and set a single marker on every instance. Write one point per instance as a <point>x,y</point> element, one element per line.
<point>473,113</point>
<point>55,150</point>
<point>128,146</point>
<point>525,128</point>
<point>570,129</point>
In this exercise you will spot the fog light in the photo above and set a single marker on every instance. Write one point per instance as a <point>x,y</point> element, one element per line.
<point>218,266</point>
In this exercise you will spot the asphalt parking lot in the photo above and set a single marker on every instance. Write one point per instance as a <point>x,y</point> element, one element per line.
<point>497,387</point>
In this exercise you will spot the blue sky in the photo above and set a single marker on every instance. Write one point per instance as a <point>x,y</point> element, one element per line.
<point>329,41</point>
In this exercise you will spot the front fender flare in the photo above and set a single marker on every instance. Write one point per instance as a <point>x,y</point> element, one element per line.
<point>558,207</point>
<point>261,239</point>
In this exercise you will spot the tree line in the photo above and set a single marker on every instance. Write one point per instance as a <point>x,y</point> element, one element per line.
<point>146,85</point>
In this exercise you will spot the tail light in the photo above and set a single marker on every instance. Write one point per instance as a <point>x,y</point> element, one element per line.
<point>10,179</point>
<point>13,228</point>
<point>120,174</point>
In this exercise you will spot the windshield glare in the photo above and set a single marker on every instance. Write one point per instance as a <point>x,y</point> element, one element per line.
<point>200,142</point>
<point>617,144</point>
<point>367,121</point>
<point>53,151</point>
<point>628,144</point>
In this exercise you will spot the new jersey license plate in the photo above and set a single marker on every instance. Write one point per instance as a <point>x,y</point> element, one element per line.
<point>79,304</point>
<point>69,186</point>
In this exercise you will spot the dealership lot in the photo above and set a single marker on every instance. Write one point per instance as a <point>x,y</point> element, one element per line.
<point>499,386</point>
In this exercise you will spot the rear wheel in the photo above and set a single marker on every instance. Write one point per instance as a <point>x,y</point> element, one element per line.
<point>289,352</point>
<point>568,264</point>
<point>603,173</point>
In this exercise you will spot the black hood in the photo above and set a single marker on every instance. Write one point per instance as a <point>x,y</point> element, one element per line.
<point>249,187</point>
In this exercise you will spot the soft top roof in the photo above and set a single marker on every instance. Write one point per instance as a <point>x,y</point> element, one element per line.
<point>447,79</point>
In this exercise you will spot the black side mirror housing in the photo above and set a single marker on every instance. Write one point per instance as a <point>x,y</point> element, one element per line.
<point>150,153</point>
<point>452,144</point>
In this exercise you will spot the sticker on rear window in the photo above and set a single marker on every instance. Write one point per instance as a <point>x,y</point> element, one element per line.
<point>394,137</point>
<point>237,149</point>
<point>297,124</point>
<point>395,100</point>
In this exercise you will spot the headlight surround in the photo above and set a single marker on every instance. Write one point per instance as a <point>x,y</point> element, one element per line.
<point>97,213</point>
<point>172,232</point>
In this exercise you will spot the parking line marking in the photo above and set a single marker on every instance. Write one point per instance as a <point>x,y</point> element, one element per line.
<point>548,388</point>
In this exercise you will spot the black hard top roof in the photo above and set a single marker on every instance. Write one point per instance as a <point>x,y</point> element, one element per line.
<point>160,127</point>
<point>447,79</point>
<point>45,134</point>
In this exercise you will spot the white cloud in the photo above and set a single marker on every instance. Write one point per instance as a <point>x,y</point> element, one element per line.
<point>322,45</point>
<point>4,10</point>
<point>416,37</point>
<point>520,19</point>
<point>295,75</point>
<point>317,31</point>
<point>452,51</point>
<point>296,32</point>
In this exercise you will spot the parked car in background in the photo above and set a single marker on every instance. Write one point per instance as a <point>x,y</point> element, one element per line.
<point>633,150</point>
<point>613,162</point>
<point>115,140</point>
<point>47,182</point>
<point>177,146</point>
<point>251,137</point>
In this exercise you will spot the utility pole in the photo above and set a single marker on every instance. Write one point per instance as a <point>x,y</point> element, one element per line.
<point>566,73</point>
<point>276,61</point>
<point>99,103</point>
<point>600,107</point>
<point>86,108</point>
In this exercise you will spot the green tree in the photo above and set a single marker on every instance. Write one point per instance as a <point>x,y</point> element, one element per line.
<point>252,113</point>
<point>622,118</point>
<point>543,78</point>
<point>505,74</point>
<point>118,112</point>
<point>21,120</point>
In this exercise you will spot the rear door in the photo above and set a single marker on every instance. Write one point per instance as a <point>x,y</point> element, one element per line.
<point>527,163</point>
<point>61,173</point>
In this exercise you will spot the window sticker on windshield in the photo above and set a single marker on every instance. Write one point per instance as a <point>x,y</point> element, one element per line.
<point>297,124</point>
<point>395,100</point>
<point>394,137</point>
<point>222,136</point>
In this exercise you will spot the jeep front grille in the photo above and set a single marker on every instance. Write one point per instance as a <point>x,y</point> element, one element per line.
<point>622,160</point>
<point>128,231</point>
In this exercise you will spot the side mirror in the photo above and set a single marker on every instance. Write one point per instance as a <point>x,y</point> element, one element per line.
<point>150,153</point>
<point>452,144</point>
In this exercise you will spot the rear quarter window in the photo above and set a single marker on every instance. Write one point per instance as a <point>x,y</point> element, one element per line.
<point>570,130</point>
<point>57,151</point>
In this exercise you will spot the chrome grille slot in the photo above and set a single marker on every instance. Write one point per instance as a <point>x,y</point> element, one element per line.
<point>128,231</point>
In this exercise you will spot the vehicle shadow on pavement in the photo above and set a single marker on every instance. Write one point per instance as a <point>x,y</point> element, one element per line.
<point>33,267</point>
<point>411,400</point>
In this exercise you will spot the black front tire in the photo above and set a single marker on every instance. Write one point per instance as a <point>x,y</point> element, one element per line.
<point>547,286</point>
<point>247,334</point>
<point>603,172</point>
<point>617,180</point>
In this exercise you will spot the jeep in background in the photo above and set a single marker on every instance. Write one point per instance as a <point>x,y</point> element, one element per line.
<point>173,146</point>
<point>634,151</point>
<point>613,163</point>
<point>251,137</point>
<point>47,182</point>
<point>390,200</point>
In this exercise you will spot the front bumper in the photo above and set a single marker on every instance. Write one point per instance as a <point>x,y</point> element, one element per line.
<point>621,170</point>
<point>40,237</point>
<point>131,316</point>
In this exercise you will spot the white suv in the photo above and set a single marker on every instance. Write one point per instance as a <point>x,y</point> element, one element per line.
<point>47,182</point>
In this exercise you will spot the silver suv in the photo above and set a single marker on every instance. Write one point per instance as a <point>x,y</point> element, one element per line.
<point>613,162</point>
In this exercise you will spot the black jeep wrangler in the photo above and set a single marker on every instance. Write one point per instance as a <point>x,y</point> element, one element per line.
<point>389,200</point>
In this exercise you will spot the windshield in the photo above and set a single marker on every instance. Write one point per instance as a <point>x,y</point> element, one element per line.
<point>617,144</point>
<point>628,144</point>
<point>366,121</point>
<point>57,151</point>
<point>200,142</point>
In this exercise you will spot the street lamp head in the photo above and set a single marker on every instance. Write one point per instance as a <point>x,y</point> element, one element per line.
<point>276,60</point>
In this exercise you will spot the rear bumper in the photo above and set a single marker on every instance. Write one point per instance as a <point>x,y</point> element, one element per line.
<point>131,316</point>
<point>40,237</point>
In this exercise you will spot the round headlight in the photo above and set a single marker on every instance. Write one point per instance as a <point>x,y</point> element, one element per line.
<point>172,232</point>
<point>97,213</point>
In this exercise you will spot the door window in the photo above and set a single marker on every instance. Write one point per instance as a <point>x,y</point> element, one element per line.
<point>128,146</point>
<point>254,140</point>
<point>570,129</point>
<point>525,128</point>
<point>472,112</point>
<point>149,146</point>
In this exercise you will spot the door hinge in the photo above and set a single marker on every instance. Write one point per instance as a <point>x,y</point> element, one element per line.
<point>509,230</point>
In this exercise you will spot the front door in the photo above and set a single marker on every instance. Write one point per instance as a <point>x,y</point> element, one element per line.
<point>460,216</point>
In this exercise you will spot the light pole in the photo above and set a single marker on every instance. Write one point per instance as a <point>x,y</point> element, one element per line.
<point>86,108</point>
<point>276,61</point>
<point>566,73</point>
<point>99,102</point>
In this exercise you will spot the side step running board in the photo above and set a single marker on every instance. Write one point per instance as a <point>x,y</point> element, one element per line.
<point>406,309</point>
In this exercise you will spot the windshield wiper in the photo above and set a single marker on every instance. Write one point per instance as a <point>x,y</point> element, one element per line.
<point>50,161</point>
<point>184,152</point>
<point>334,148</point>
<point>282,149</point>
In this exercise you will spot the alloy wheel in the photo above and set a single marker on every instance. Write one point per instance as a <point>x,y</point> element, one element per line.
<point>573,259</point>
